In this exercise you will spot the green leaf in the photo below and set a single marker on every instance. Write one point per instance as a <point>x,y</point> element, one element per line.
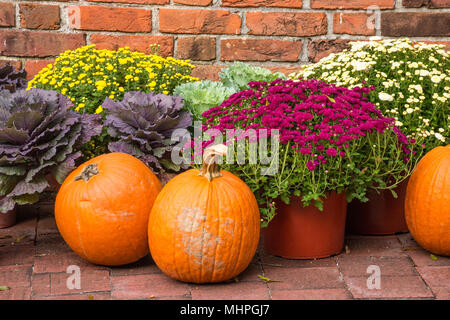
<point>27,199</point>
<point>16,170</point>
<point>331,99</point>
<point>267,279</point>
<point>170,165</point>
<point>394,194</point>
<point>4,288</point>
<point>433,257</point>
<point>285,198</point>
<point>318,204</point>
<point>7,183</point>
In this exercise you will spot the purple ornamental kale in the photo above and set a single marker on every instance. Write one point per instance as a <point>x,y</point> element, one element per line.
<point>39,136</point>
<point>12,80</point>
<point>142,125</point>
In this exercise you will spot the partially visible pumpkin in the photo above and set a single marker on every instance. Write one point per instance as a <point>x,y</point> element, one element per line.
<point>102,209</point>
<point>427,204</point>
<point>204,226</point>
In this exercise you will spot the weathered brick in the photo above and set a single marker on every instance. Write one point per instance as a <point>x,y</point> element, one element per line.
<point>39,16</point>
<point>77,296</point>
<point>303,278</point>
<point>196,48</point>
<point>272,261</point>
<point>436,276</point>
<point>140,43</point>
<point>90,281</point>
<point>355,266</point>
<point>415,24</point>
<point>262,3</point>
<point>231,290</point>
<point>196,21</point>
<point>260,50</point>
<point>318,49</point>
<point>146,286</point>
<point>34,66</point>
<point>194,2</point>
<point>145,265</point>
<point>390,287</point>
<point>110,18</point>
<point>59,262</point>
<point>432,4</point>
<point>131,1</point>
<point>207,71</point>
<point>285,70</point>
<point>351,4</point>
<point>21,293</point>
<point>287,23</point>
<point>7,15</point>
<point>353,23</point>
<point>16,255</point>
<point>38,44</point>
<point>311,294</point>
<point>387,246</point>
<point>15,276</point>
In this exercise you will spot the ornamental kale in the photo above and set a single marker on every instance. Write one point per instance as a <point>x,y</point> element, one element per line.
<point>39,136</point>
<point>239,74</point>
<point>142,125</point>
<point>201,96</point>
<point>330,139</point>
<point>12,80</point>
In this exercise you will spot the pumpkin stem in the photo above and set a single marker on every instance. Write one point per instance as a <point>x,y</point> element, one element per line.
<point>88,172</point>
<point>210,168</point>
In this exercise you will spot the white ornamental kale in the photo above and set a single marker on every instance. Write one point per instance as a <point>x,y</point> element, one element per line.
<point>142,125</point>
<point>40,135</point>
<point>201,96</point>
<point>239,74</point>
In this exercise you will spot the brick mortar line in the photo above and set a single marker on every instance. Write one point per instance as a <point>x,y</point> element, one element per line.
<point>263,273</point>
<point>71,294</point>
<point>341,276</point>
<point>216,6</point>
<point>415,268</point>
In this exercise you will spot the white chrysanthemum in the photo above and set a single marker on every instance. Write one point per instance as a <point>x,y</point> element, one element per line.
<point>385,96</point>
<point>435,79</point>
<point>439,136</point>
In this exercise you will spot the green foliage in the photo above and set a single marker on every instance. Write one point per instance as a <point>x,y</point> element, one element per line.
<point>239,74</point>
<point>201,96</point>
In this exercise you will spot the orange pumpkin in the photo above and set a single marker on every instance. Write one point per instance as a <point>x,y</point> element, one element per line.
<point>205,224</point>
<point>427,204</point>
<point>102,209</point>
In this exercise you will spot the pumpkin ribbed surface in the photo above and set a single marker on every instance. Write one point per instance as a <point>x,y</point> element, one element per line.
<point>204,231</point>
<point>427,205</point>
<point>102,209</point>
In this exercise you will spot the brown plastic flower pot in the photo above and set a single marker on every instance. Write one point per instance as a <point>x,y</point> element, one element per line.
<point>8,219</point>
<point>299,232</point>
<point>381,215</point>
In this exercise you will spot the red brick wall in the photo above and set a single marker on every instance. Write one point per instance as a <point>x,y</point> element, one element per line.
<point>278,34</point>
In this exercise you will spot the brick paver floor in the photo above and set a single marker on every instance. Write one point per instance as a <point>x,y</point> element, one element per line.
<point>34,261</point>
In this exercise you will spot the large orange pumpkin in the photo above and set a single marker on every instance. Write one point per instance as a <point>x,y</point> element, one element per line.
<point>102,209</point>
<point>427,204</point>
<point>205,224</point>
